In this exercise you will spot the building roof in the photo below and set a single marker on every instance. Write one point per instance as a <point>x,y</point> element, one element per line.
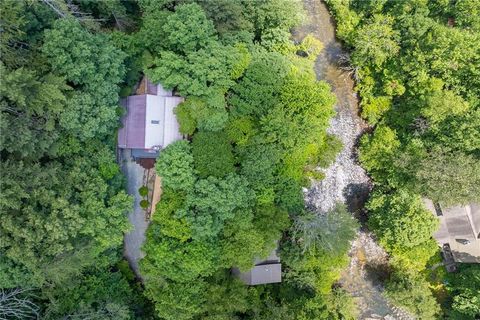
<point>268,270</point>
<point>460,228</point>
<point>149,122</point>
<point>262,274</point>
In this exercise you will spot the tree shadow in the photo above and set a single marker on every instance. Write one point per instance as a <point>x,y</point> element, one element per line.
<point>356,195</point>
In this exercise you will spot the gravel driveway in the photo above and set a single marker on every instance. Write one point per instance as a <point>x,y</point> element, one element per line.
<point>134,239</point>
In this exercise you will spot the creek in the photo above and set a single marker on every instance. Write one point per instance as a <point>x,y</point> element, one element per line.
<point>345,180</point>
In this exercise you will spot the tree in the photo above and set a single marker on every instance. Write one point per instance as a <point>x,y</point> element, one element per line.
<point>227,297</point>
<point>176,300</point>
<point>215,201</point>
<point>94,68</point>
<point>410,291</point>
<point>332,231</point>
<point>273,14</point>
<point>377,152</point>
<point>60,209</point>
<point>100,294</point>
<point>188,124</point>
<point>400,219</point>
<point>175,166</point>
<point>227,15</point>
<point>199,73</point>
<point>176,260</point>
<point>212,154</point>
<point>165,216</point>
<point>31,105</point>
<point>14,22</point>
<point>257,92</point>
<point>374,108</point>
<point>449,177</point>
<point>241,242</point>
<point>188,29</point>
<point>463,286</point>
<point>375,42</point>
<point>240,129</point>
<point>259,164</point>
<point>190,59</point>
<point>207,114</point>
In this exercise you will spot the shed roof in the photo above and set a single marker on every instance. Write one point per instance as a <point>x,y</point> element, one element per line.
<point>268,270</point>
<point>263,274</point>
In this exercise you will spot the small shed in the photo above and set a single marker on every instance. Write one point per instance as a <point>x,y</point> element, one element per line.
<point>265,271</point>
<point>149,124</point>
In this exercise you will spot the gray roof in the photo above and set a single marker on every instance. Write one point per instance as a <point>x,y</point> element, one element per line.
<point>142,153</point>
<point>460,228</point>
<point>268,270</point>
<point>263,274</point>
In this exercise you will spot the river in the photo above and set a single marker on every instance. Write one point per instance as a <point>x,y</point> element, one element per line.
<point>345,180</point>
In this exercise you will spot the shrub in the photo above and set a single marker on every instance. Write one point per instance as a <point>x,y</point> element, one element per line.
<point>143,191</point>
<point>144,204</point>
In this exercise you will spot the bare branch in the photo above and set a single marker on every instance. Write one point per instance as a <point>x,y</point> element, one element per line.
<point>15,304</point>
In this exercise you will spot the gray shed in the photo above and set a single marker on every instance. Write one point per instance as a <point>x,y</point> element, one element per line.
<point>262,274</point>
<point>265,271</point>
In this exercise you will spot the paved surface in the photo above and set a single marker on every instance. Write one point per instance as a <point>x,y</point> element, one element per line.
<point>134,239</point>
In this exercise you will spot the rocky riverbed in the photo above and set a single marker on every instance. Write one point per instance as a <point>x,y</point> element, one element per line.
<point>345,180</point>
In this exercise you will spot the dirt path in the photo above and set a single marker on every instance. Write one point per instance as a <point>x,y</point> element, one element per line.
<point>345,181</point>
<point>134,239</point>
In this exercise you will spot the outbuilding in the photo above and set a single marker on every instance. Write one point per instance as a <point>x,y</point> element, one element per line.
<point>265,271</point>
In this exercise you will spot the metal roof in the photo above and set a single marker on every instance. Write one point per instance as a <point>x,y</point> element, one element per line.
<point>150,120</point>
<point>263,274</point>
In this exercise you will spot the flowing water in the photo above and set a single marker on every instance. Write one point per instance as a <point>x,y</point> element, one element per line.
<point>345,180</point>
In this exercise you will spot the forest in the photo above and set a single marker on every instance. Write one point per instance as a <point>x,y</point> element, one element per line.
<point>255,117</point>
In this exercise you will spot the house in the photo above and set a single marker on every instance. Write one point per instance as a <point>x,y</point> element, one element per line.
<point>459,232</point>
<point>265,271</point>
<point>149,124</point>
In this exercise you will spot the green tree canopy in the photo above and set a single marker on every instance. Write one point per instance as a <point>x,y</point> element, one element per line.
<point>214,201</point>
<point>400,219</point>
<point>55,212</point>
<point>175,166</point>
<point>94,67</point>
<point>212,154</point>
<point>412,292</point>
<point>332,231</point>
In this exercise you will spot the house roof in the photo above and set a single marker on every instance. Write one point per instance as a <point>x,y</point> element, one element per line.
<point>149,120</point>
<point>132,133</point>
<point>460,228</point>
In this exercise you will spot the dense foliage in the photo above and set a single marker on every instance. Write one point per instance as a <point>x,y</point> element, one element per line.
<point>417,66</point>
<point>257,118</point>
<point>63,208</point>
